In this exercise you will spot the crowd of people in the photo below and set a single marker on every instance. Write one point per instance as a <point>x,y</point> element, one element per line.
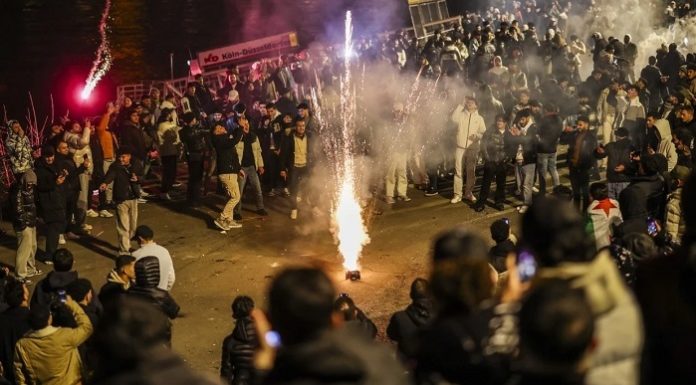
<point>596,290</point>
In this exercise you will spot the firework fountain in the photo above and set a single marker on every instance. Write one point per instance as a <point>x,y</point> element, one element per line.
<point>347,215</point>
<point>102,62</point>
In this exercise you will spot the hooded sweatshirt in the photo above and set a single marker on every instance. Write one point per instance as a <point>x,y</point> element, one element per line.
<point>666,147</point>
<point>619,328</point>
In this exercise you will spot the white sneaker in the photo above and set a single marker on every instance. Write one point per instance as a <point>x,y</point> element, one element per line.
<point>523,209</point>
<point>142,200</point>
<point>144,194</point>
<point>389,200</point>
<point>293,214</point>
<point>286,192</point>
<point>456,199</point>
<point>471,198</point>
<point>165,197</point>
<point>221,224</point>
<point>105,214</point>
<point>86,227</point>
<point>535,189</point>
<point>233,225</point>
<point>405,198</point>
<point>61,239</point>
<point>92,214</point>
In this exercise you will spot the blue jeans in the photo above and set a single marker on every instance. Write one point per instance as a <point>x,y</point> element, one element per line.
<point>527,181</point>
<point>547,163</point>
<point>252,176</point>
<point>615,188</point>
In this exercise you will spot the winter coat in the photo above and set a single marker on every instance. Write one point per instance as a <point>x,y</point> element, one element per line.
<point>134,137</point>
<point>23,201</point>
<point>470,127</point>
<point>666,147</point>
<point>528,142</point>
<point>493,146</point>
<point>255,149</point>
<point>19,151</point>
<point>107,139</point>
<point>675,225</point>
<point>52,196</point>
<point>124,189</point>
<point>196,141</point>
<point>550,129</point>
<point>79,146</point>
<point>14,323</point>
<point>45,291</point>
<point>49,356</point>
<point>238,349</point>
<point>113,289</point>
<point>652,189</point>
<point>336,357</point>
<point>168,138</point>
<point>405,325</point>
<point>287,151</point>
<point>618,322</point>
<point>147,273</point>
<point>619,153</point>
<point>227,153</point>
<point>585,153</point>
<point>72,181</point>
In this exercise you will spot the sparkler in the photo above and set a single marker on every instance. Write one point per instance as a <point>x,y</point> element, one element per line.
<point>102,62</point>
<point>351,231</point>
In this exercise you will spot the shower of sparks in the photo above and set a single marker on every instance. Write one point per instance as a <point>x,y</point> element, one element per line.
<point>351,231</point>
<point>102,62</point>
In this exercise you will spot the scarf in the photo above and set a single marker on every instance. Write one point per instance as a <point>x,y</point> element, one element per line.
<point>115,278</point>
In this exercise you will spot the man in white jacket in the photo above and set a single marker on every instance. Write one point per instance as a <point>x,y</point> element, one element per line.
<point>77,139</point>
<point>148,248</point>
<point>469,132</point>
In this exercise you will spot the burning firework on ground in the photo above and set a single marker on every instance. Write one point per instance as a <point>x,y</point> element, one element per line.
<point>102,62</point>
<point>351,232</point>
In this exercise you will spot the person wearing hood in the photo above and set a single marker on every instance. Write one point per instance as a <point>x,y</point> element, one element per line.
<point>18,148</point>
<point>119,280</point>
<point>52,199</point>
<point>238,348</point>
<point>675,225</point>
<point>405,325</point>
<point>471,127</point>
<point>147,277</point>
<point>354,318</point>
<point>567,252</point>
<point>58,279</point>
<point>23,203</point>
<point>665,146</point>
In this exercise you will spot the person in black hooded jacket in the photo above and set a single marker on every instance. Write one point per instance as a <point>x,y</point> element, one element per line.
<point>238,348</point>
<point>51,193</point>
<point>405,325</point>
<point>147,277</point>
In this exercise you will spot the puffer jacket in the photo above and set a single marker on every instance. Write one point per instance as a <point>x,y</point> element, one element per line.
<point>19,151</point>
<point>493,146</point>
<point>147,277</point>
<point>49,356</point>
<point>255,148</point>
<point>618,322</point>
<point>23,198</point>
<point>238,349</point>
<point>666,147</point>
<point>675,225</point>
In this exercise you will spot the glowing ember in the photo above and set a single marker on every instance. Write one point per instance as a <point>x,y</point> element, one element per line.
<point>350,228</point>
<point>102,62</point>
